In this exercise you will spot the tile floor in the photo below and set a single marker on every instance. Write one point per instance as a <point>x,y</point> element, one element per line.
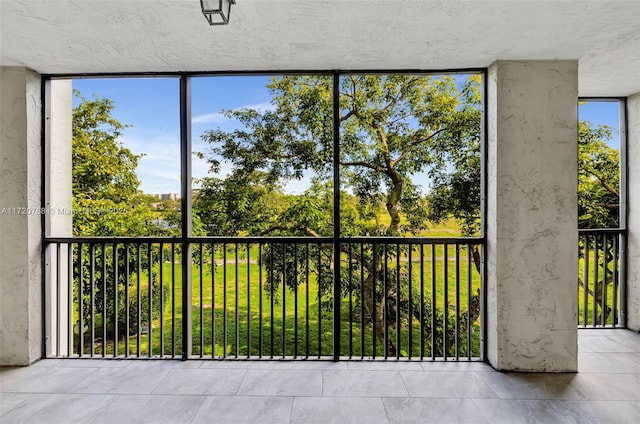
<point>606,390</point>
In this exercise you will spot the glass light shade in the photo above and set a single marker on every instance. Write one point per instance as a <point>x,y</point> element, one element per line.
<point>217,12</point>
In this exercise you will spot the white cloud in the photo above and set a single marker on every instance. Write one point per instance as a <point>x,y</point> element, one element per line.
<point>209,118</point>
<point>260,107</point>
<point>159,167</point>
<point>218,118</point>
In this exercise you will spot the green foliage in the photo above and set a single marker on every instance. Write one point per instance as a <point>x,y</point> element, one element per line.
<point>598,178</point>
<point>156,305</point>
<point>238,204</point>
<point>98,285</point>
<point>106,196</point>
<point>456,189</point>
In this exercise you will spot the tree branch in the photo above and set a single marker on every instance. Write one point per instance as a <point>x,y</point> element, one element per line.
<point>349,114</point>
<point>273,228</point>
<point>400,94</point>
<point>309,231</point>
<point>383,143</point>
<point>415,143</point>
<point>605,184</point>
<point>364,164</point>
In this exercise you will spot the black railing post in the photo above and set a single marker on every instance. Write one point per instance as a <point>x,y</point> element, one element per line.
<point>336,216</point>
<point>622,263</point>
<point>186,202</point>
<point>484,204</point>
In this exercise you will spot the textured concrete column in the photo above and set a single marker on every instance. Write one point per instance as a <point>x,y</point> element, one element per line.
<point>532,237</point>
<point>633,218</point>
<point>58,125</point>
<point>20,220</point>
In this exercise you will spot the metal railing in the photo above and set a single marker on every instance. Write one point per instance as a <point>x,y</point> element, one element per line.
<point>264,298</point>
<point>601,284</point>
<point>113,297</point>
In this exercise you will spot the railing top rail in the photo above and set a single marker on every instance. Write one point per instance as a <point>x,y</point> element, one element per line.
<point>602,231</point>
<point>295,239</point>
<point>260,239</point>
<point>257,240</point>
<point>103,239</point>
<point>414,240</point>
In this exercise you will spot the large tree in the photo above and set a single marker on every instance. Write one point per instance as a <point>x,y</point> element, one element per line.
<point>393,128</point>
<point>107,200</point>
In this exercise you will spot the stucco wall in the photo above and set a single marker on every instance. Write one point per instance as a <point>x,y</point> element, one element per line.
<point>58,124</point>
<point>633,222</point>
<point>532,244</point>
<point>20,224</point>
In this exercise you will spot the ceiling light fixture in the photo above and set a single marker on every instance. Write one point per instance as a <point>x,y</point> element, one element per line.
<point>217,12</point>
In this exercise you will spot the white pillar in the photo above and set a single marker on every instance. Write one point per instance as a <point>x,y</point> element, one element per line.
<point>633,217</point>
<point>20,217</point>
<point>532,236</point>
<point>58,173</point>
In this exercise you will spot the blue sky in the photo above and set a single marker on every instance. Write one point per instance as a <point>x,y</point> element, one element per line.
<point>151,107</point>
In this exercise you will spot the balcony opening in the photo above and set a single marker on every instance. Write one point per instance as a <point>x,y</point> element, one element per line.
<point>310,216</point>
<point>601,213</point>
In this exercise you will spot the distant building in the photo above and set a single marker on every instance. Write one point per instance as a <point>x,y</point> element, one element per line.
<point>169,196</point>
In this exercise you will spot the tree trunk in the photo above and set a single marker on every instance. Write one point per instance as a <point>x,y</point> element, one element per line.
<point>392,203</point>
<point>373,299</point>
<point>476,258</point>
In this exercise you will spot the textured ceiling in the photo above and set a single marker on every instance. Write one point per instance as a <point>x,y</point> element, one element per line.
<point>93,36</point>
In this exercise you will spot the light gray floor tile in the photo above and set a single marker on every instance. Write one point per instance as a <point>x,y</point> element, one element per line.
<point>46,363</point>
<point>328,410</point>
<point>282,383</point>
<point>10,401</point>
<point>603,412</point>
<point>593,339</point>
<point>605,344</point>
<point>512,411</point>
<point>156,409</point>
<point>628,338</point>
<point>608,386</point>
<point>363,384</point>
<point>7,373</point>
<point>456,366</point>
<point>244,410</point>
<point>310,365</point>
<point>52,408</point>
<point>92,363</point>
<point>201,382</point>
<point>533,386</point>
<point>120,381</point>
<point>43,379</point>
<point>446,384</point>
<point>625,363</point>
<point>243,365</point>
<point>165,363</point>
<point>436,411</point>
<point>586,332</point>
<point>387,366</point>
